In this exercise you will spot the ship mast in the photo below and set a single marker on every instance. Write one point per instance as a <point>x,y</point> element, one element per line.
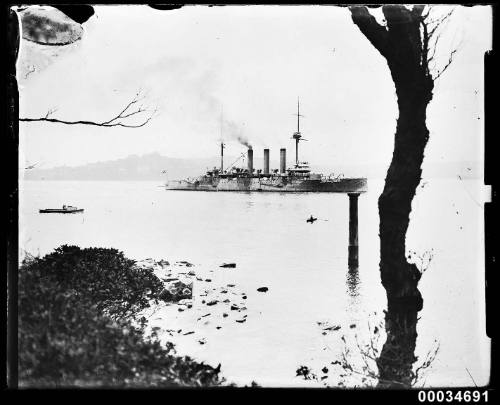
<point>221,146</point>
<point>298,116</point>
<point>297,135</point>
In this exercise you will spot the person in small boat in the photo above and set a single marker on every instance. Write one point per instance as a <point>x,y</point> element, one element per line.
<point>311,219</point>
<point>64,207</point>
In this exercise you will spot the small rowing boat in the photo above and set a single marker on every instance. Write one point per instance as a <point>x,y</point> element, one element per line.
<point>66,209</point>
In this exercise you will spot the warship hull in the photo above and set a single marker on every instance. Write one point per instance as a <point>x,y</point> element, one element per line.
<point>270,184</point>
<point>295,179</point>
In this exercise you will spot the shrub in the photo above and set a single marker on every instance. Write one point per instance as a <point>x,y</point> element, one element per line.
<point>105,276</point>
<point>73,330</point>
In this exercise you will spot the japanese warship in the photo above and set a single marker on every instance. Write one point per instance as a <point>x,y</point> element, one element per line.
<point>297,178</point>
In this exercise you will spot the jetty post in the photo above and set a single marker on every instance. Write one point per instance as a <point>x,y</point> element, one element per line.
<point>353,248</point>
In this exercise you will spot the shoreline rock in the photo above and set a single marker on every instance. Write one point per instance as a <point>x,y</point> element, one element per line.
<point>176,291</point>
<point>228,265</point>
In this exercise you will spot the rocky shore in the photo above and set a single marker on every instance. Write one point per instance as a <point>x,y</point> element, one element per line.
<point>199,294</point>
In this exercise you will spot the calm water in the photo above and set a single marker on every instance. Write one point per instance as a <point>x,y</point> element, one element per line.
<point>304,266</point>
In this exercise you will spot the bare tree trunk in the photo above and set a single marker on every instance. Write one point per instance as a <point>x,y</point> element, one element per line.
<point>400,278</point>
<point>395,362</point>
<point>404,42</point>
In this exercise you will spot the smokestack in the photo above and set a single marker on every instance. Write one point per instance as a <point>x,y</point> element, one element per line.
<point>266,161</point>
<point>282,160</point>
<point>250,160</point>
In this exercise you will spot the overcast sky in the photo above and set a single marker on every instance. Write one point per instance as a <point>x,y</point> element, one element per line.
<point>252,62</point>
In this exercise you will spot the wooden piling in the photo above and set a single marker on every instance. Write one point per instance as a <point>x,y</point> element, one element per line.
<point>353,230</point>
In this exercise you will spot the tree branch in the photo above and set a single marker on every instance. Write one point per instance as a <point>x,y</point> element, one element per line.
<point>116,121</point>
<point>417,10</point>
<point>397,15</point>
<point>377,34</point>
<point>434,24</point>
<point>450,59</point>
<point>424,61</point>
<point>435,28</point>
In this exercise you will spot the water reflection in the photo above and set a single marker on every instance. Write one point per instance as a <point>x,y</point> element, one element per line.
<point>354,311</point>
<point>249,201</point>
<point>353,282</point>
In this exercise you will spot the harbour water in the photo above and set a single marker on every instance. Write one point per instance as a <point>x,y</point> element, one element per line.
<point>303,265</point>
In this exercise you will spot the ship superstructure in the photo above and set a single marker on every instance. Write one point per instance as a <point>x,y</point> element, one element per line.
<point>297,178</point>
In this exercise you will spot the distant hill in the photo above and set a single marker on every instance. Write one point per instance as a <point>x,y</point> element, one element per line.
<point>154,166</point>
<point>151,166</point>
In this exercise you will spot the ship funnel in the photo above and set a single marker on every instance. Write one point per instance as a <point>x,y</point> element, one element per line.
<point>250,160</point>
<point>282,160</point>
<point>266,161</point>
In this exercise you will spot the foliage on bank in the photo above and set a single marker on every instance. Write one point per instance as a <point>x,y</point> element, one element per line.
<point>79,325</point>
